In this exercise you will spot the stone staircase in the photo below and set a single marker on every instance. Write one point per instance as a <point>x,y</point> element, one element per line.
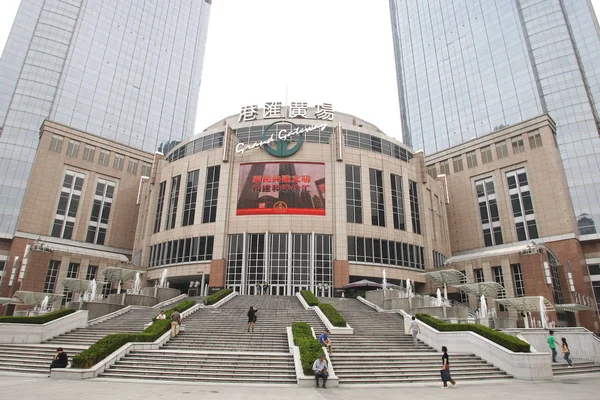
<point>36,358</point>
<point>579,367</point>
<point>380,352</point>
<point>216,346</point>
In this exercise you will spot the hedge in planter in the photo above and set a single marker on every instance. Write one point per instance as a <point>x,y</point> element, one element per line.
<point>38,319</point>
<point>213,298</point>
<point>507,341</point>
<point>310,349</point>
<point>111,343</point>
<point>310,298</point>
<point>333,315</point>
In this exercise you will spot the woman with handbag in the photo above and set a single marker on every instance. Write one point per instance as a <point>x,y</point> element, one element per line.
<point>251,318</point>
<point>445,372</point>
<point>566,352</point>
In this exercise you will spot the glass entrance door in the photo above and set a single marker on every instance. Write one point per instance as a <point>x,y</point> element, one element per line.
<point>277,290</point>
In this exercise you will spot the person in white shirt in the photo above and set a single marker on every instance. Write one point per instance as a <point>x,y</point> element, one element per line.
<point>415,329</point>
<point>320,370</point>
<point>161,315</point>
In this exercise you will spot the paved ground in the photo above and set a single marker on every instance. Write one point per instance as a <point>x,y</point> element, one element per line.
<point>26,387</point>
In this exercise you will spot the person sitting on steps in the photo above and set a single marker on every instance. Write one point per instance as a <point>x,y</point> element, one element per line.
<point>60,360</point>
<point>324,340</point>
<point>320,370</point>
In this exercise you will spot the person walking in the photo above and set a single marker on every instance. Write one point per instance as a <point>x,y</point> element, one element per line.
<point>251,318</point>
<point>566,352</point>
<point>415,329</point>
<point>175,321</point>
<point>552,344</point>
<point>445,372</point>
<point>320,370</point>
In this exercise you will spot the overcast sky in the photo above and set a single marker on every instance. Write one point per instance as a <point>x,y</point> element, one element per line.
<point>318,51</point>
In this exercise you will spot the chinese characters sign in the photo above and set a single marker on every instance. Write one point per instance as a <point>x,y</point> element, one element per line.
<point>281,188</point>
<point>297,109</point>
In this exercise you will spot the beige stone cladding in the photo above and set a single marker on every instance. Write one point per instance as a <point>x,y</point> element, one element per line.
<point>62,149</point>
<point>530,145</point>
<point>431,195</point>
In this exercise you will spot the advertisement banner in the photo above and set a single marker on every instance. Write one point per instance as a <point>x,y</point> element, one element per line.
<point>281,188</point>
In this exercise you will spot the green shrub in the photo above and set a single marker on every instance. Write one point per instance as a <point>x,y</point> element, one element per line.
<point>507,341</point>
<point>213,298</point>
<point>38,319</point>
<point>310,349</point>
<point>310,298</point>
<point>332,315</point>
<point>111,343</point>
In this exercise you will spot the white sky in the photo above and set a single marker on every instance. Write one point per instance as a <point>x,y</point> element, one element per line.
<point>318,51</point>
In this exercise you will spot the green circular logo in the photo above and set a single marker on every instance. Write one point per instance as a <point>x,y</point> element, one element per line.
<point>280,147</point>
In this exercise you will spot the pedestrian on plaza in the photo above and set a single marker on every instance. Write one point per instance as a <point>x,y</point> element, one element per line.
<point>251,318</point>
<point>415,329</point>
<point>445,372</point>
<point>566,352</point>
<point>325,341</point>
<point>175,321</point>
<point>552,344</point>
<point>60,360</point>
<point>258,287</point>
<point>320,370</point>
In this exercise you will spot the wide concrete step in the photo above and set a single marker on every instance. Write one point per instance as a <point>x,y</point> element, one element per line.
<point>190,377</point>
<point>411,370</point>
<point>581,367</point>
<point>435,377</point>
<point>417,363</point>
<point>183,362</point>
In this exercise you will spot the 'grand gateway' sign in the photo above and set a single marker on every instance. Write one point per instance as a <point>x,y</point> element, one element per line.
<point>277,141</point>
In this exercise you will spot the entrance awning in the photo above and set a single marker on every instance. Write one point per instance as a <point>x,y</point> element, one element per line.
<point>33,298</point>
<point>572,307</point>
<point>447,276</point>
<point>526,303</point>
<point>363,283</point>
<point>488,289</point>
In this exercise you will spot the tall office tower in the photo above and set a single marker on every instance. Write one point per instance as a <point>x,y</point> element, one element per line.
<point>469,67</point>
<point>125,70</point>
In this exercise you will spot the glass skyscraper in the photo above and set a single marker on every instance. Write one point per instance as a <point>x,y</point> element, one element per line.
<point>469,67</point>
<point>125,70</point>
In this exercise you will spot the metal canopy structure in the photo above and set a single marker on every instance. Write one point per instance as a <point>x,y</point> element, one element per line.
<point>4,300</point>
<point>488,289</point>
<point>78,285</point>
<point>114,274</point>
<point>526,303</point>
<point>362,283</point>
<point>572,307</point>
<point>33,298</point>
<point>447,277</point>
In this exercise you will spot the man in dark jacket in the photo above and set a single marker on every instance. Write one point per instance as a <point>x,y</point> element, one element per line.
<point>60,360</point>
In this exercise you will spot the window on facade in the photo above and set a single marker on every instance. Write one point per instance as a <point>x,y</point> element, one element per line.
<point>103,198</point>
<point>104,157</point>
<point>518,280</point>
<point>173,201</point>
<point>445,167</point>
<point>518,145</point>
<point>146,170</point>
<point>415,216</point>
<point>471,159</point>
<point>522,205</point>
<point>397,202</point>
<point>191,194</point>
<point>486,155</point>
<point>132,166</point>
<point>73,148</point>
<point>432,171</point>
<point>488,211</point>
<point>499,279</point>
<point>88,153</point>
<point>377,202</point>
<point>464,295</point>
<point>51,276</point>
<point>73,270</point>
<point>353,194</point>
<point>479,275</point>
<point>118,162</point>
<point>387,252</point>
<point>457,163</point>
<point>159,206</point>
<point>68,203</point>
<point>56,143</point>
<point>535,140</point>
<point>92,272</point>
<point>438,259</point>
<point>501,150</point>
<point>211,194</point>
<point>194,249</point>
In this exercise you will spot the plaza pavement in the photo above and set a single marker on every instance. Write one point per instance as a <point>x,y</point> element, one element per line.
<point>583,387</point>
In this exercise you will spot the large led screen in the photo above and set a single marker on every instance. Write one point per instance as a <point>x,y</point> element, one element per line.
<point>281,188</point>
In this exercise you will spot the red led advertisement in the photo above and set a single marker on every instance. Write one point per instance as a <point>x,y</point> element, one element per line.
<point>281,188</point>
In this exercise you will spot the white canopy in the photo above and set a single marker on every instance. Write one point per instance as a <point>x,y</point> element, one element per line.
<point>447,276</point>
<point>526,303</point>
<point>33,298</point>
<point>488,289</point>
